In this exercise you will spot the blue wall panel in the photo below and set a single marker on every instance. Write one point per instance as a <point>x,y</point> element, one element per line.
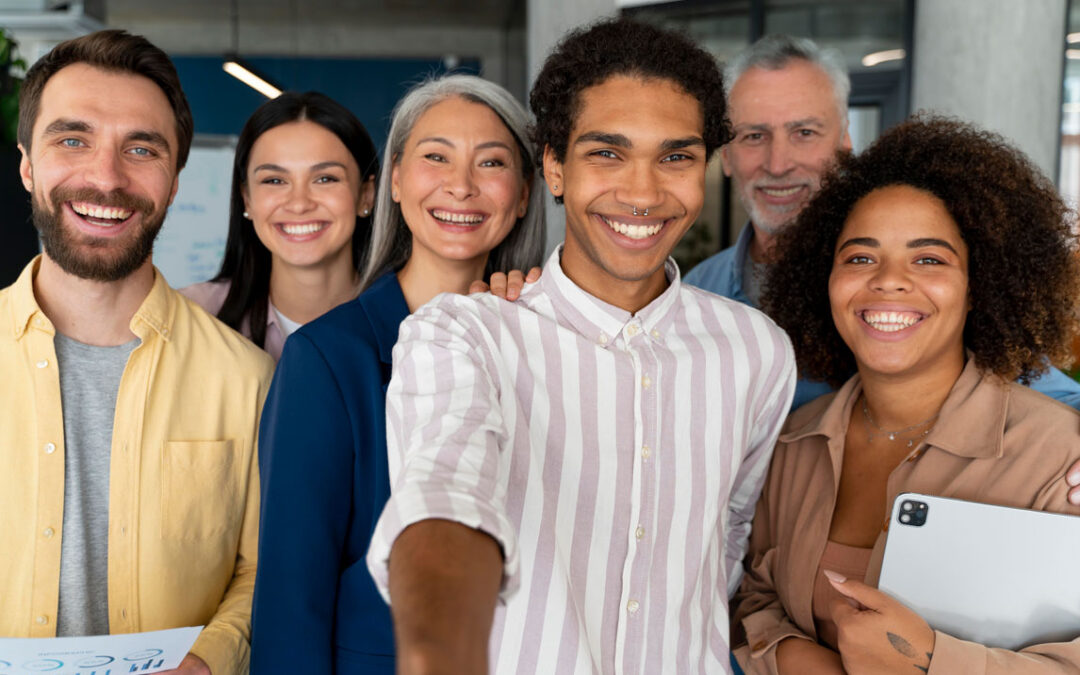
<point>368,87</point>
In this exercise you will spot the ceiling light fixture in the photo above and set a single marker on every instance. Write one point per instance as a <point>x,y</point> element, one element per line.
<point>242,71</point>
<point>871,60</point>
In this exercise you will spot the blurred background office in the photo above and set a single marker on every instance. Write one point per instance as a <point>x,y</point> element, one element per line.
<point>1010,66</point>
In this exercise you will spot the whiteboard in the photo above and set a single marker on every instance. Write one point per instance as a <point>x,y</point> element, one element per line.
<point>191,245</point>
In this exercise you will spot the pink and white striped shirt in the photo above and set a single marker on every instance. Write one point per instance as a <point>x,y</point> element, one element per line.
<point>616,458</point>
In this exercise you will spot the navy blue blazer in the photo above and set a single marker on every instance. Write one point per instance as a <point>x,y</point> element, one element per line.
<point>322,461</point>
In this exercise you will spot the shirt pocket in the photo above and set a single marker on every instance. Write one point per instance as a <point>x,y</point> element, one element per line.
<point>202,489</point>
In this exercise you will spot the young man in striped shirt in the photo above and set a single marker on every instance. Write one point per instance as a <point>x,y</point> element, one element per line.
<point>575,473</point>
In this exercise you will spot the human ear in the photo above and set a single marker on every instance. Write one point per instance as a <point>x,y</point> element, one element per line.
<point>553,172</point>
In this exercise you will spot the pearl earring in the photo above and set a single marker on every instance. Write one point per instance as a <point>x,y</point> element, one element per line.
<point>247,215</point>
<point>367,211</point>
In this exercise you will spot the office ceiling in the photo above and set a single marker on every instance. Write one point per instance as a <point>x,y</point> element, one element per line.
<point>476,13</point>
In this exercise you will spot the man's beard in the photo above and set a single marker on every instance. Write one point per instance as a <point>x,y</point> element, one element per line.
<point>771,219</point>
<point>90,257</point>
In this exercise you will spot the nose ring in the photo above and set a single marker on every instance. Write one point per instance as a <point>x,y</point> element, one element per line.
<point>644,213</point>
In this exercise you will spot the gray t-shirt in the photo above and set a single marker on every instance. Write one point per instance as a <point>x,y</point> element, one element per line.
<point>753,279</point>
<point>89,383</point>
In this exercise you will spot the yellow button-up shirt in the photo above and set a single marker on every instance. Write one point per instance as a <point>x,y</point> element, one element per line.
<point>183,484</point>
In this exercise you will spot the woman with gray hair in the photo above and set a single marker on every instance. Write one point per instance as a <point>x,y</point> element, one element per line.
<point>458,199</point>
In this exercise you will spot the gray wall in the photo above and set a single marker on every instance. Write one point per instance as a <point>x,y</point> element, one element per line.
<point>997,63</point>
<point>546,22</point>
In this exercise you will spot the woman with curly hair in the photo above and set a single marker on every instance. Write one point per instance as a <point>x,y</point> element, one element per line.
<point>929,273</point>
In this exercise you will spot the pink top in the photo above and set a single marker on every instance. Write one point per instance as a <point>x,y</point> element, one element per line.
<point>210,295</point>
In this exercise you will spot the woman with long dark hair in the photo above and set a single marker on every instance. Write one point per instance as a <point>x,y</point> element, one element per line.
<point>459,198</point>
<point>303,189</point>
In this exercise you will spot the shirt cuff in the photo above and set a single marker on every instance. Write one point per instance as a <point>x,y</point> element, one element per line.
<point>421,502</point>
<point>224,654</point>
<point>953,655</point>
<point>765,630</point>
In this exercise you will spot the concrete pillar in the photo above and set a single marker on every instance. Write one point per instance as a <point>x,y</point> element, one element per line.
<point>997,63</point>
<point>547,21</point>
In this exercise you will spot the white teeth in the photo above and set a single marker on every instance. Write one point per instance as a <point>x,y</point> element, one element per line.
<point>634,231</point>
<point>302,228</point>
<point>891,322</point>
<point>100,212</point>
<point>781,192</point>
<point>459,218</point>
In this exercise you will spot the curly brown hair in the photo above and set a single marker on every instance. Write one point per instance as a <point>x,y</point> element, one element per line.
<point>1024,275</point>
<point>588,56</point>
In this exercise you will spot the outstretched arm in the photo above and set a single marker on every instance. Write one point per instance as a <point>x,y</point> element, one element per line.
<point>444,580</point>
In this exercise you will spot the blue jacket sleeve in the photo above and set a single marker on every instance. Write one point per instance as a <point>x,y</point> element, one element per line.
<point>306,469</point>
<point>1057,385</point>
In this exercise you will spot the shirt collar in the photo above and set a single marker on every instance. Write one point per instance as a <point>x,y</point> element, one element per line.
<point>971,422</point>
<point>595,319</point>
<point>157,310</point>
<point>155,313</point>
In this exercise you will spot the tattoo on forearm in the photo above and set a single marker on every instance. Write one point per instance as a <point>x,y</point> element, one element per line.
<point>926,668</point>
<point>901,645</point>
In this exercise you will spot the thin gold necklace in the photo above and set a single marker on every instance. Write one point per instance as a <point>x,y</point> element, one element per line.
<point>892,435</point>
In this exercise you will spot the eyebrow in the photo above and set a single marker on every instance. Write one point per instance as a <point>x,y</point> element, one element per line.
<point>930,241</point>
<point>151,137</point>
<point>65,125</point>
<point>914,243</point>
<point>805,122</point>
<point>618,140</point>
<point>794,124</point>
<point>680,143</point>
<point>621,141</point>
<point>435,139</point>
<point>270,166</point>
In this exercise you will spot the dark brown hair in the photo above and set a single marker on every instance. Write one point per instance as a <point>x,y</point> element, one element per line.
<point>589,56</point>
<point>1023,271</point>
<point>114,50</point>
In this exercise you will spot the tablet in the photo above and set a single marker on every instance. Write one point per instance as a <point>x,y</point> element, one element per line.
<point>996,575</point>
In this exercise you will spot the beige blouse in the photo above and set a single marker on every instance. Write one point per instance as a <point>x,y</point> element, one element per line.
<point>994,442</point>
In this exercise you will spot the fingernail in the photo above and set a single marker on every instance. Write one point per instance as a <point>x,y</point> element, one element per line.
<point>835,577</point>
<point>1074,498</point>
<point>1073,479</point>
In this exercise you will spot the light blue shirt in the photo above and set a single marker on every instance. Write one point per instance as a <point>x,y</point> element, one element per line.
<point>722,274</point>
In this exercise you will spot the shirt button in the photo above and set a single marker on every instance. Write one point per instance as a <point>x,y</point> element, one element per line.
<point>632,606</point>
<point>602,339</point>
<point>632,330</point>
<point>50,448</point>
<point>38,322</point>
<point>655,334</point>
<point>646,451</point>
<point>639,532</point>
<point>47,532</point>
<point>646,382</point>
<point>43,363</point>
<point>41,620</point>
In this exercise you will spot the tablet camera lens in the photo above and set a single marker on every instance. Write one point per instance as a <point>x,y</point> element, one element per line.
<point>905,518</point>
